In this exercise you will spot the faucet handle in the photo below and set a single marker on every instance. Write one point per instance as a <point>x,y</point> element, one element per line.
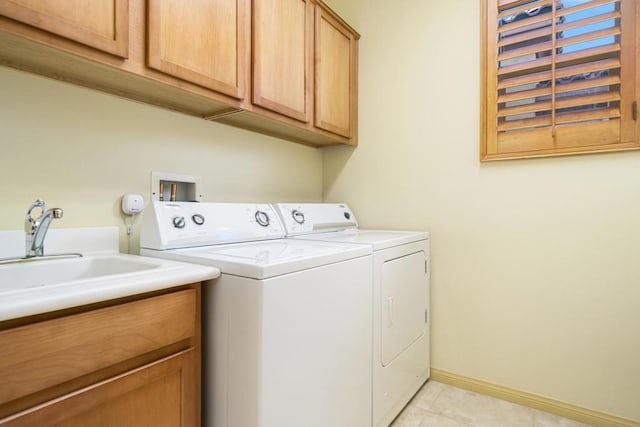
<point>57,213</point>
<point>30,223</point>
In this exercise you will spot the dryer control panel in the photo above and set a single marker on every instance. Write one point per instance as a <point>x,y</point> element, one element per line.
<point>308,218</point>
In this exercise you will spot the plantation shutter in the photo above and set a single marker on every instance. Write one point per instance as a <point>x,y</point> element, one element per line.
<point>560,77</point>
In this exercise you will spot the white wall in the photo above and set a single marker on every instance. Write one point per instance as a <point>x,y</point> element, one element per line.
<point>81,150</point>
<point>536,263</point>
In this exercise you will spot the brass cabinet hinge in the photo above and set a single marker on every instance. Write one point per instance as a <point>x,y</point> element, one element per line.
<point>635,110</point>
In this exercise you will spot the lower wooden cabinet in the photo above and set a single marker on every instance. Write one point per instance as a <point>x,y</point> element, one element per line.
<point>132,363</point>
<point>157,394</point>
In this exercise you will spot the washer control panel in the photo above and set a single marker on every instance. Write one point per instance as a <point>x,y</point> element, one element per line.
<point>171,225</point>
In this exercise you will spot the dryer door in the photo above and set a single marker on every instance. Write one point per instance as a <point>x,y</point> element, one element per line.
<point>403,304</point>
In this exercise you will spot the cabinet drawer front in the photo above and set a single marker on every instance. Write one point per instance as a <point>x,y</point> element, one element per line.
<point>160,393</point>
<point>48,353</point>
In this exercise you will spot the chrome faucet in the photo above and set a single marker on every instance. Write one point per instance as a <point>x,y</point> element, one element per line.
<point>36,228</point>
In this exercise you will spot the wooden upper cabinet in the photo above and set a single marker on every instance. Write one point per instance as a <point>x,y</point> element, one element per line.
<point>285,68</point>
<point>335,75</point>
<point>101,24</point>
<point>282,55</point>
<point>204,42</point>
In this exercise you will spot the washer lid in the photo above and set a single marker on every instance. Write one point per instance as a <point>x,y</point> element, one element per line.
<point>378,239</point>
<point>264,259</point>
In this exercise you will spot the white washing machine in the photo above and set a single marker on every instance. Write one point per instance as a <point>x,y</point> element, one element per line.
<point>400,297</point>
<point>286,327</point>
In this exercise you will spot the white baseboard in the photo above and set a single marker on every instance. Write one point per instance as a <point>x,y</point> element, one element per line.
<point>566,410</point>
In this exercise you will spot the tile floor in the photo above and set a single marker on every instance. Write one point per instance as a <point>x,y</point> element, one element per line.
<point>440,405</point>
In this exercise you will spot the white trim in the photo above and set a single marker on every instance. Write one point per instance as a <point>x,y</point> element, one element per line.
<point>566,410</point>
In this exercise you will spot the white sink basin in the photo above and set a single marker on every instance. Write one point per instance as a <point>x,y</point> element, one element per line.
<point>46,285</point>
<point>44,272</point>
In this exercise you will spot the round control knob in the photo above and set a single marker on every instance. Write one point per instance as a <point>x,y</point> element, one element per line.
<point>198,219</point>
<point>178,222</point>
<point>262,218</point>
<point>347,215</point>
<point>298,216</point>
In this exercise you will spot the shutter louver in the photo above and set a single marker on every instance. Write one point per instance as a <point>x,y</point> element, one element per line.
<point>560,74</point>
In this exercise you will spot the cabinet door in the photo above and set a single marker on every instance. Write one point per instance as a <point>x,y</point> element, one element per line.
<point>102,24</point>
<point>163,393</point>
<point>72,346</point>
<point>282,46</point>
<point>335,75</point>
<point>204,42</point>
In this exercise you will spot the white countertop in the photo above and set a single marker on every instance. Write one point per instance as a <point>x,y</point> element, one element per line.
<point>21,301</point>
<point>15,303</point>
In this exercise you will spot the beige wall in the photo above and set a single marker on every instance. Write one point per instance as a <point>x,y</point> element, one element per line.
<point>536,263</point>
<point>536,273</point>
<point>81,150</point>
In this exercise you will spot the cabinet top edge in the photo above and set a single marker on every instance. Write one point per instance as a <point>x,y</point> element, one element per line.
<point>337,17</point>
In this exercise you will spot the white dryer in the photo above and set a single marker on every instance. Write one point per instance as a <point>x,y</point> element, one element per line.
<point>400,297</point>
<point>285,327</point>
